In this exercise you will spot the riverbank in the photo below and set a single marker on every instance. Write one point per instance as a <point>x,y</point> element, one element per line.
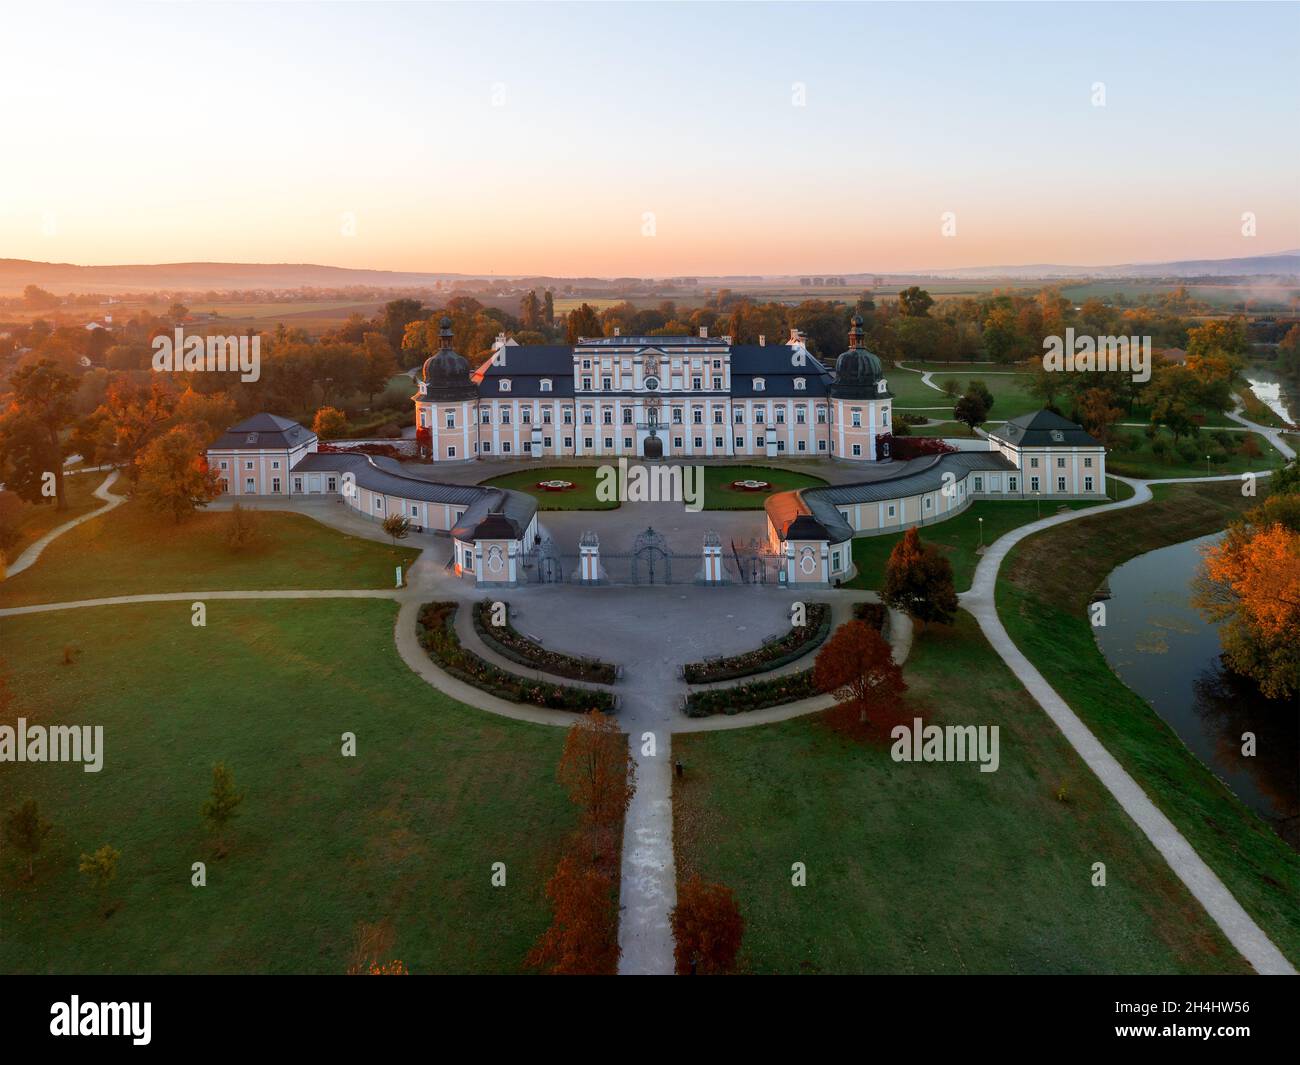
<point>1043,605</point>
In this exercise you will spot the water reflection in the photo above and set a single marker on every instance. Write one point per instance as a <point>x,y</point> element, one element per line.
<point>1163,649</point>
<point>1273,391</point>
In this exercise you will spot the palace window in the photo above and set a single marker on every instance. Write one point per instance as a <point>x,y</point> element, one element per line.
<point>821,445</point>
<point>800,384</point>
<point>568,415</point>
<point>248,465</point>
<point>297,484</point>
<point>546,415</point>
<point>546,384</point>
<point>526,415</point>
<point>586,415</point>
<point>800,416</point>
<point>1087,484</point>
<point>546,441</point>
<point>1060,462</point>
<point>857,449</point>
<point>586,442</point>
<point>1087,462</point>
<point>780,415</point>
<point>487,416</point>
<point>275,464</point>
<point>677,415</point>
<point>586,382</point>
<point>696,383</point>
<point>627,415</point>
<point>627,443</point>
<point>1060,484</point>
<point>607,416</point>
<point>856,417</point>
<point>717,416</point>
<point>699,441</point>
<point>606,383</point>
<point>451,419</point>
<point>740,417</point>
<point>821,415</point>
<point>275,484</point>
<point>505,384</point>
<point>505,415</point>
<point>451,451</point>
<point>1033,484</point>
<point>609,443</point>
<point>759,384</point>
<point>740,442</point>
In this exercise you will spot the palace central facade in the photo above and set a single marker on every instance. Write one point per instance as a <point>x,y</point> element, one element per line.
<point>653,397</point>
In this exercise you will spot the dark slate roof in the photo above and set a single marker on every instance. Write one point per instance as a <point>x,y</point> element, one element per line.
<point>652,342</point>
<point>918,476</point>
<point>774,363</point>
<point>526,365</point>
<point>1043,428</point>
<point>496,526</point>
<point>369,474</point>
<point>264,431</point>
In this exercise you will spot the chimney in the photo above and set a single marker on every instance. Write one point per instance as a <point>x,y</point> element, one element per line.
<point>727,340</point>
<point>616,330</point>
<point>704,331</point>
<point>796,337</point>
<point>762,340</point>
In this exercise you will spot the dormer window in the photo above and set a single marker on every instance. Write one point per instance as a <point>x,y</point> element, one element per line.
<point>759,384</point>
<point>251,438</point>
<point>505,384</point>
<point>800,383</point>
<point>546,384</point>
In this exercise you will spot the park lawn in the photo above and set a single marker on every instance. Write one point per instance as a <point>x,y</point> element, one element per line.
<point>38,519</point>
<point>932,868</point>
<point>407,830</point>
<point>131,551</point>
<point>1043,605</point>
<point>1011,396</point>
<point>718,495</point>
<point>911,392</point>
<point>1143,462</point>
<point>959,538</point>
<point>580,497</point>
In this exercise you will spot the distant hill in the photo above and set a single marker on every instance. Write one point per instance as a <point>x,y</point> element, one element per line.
<point>1283,264</point>
<point>62,278</point>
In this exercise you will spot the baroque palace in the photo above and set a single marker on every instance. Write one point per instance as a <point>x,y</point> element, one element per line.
<point>653,397</point>
<point>685,400</point>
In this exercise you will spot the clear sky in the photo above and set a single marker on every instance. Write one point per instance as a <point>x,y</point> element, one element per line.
<point>533,139</point>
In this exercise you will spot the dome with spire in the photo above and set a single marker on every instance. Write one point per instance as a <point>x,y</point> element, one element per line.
<point>446,374</point>
<point>857,372</point>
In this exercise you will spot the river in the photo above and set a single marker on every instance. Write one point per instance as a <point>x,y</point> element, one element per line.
<point>1162,648</point>
<point>1273,391</point>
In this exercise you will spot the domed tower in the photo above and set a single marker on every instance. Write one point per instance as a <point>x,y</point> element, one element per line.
<point>444,405</point>
<point>860,401</point>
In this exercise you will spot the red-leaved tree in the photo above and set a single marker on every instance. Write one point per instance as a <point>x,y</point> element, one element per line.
<point>707,928</point>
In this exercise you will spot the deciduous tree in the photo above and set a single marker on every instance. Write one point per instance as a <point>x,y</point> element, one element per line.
<point>25,831</point>
<point>857,665</point>
<point>707,928</point>
<point>173,475</point>
<point>918,581</point>
<point>222,806</point>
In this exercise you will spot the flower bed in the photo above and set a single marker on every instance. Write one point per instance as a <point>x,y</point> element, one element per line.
<point>508,641</point>
<point>794,644</point>
<point>756,695</point>
<point>751,486</point>
<point>556,486</point>
<point>435,630</point>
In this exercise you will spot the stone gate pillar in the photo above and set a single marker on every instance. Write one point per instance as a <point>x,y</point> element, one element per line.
<point>712,558</point>
<point>589,558</point>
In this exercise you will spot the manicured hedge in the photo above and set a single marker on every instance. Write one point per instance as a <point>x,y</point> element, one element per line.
<point>509,642</point>
<point>437,635</point>
<point>752,696</point>
<point>794,644</point>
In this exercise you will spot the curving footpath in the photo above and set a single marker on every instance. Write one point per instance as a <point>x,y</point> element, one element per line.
<point>33,550</point>
<point>1240,928</point>
<point>648,887</point>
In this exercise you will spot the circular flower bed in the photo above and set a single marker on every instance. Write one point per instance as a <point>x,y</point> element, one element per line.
<point>751,486</point>
<point>555,486</point>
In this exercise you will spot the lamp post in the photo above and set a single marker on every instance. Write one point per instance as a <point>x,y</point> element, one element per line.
<point>1207,465</point>
<point>1038,502</point>
<point>981,521</point>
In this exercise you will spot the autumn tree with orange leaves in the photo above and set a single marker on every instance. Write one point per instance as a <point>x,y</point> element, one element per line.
<point>173,474</point>
<point>598,771</point>
<point>707,929</point>
<point>918,581</point>
<point>858,666</point>
<point>1250,584</point>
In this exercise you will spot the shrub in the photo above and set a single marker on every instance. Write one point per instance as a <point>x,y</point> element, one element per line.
<point>791,645</point>
<point>756,695</point>
<point>874,614</point>
<point>507,641</point>
<point>243,528</point>
<point>435,631</point>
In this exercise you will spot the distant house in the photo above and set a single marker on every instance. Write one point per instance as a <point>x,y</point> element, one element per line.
<point>1176,356</point>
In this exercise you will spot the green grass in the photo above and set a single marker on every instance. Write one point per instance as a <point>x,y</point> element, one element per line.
<point>959,538</point>
<point>718,493</point>
<point>38,519</point>
<point>932,868</point>
<point>407,830</point>
<point>131,550</point>
<point>1042,603</point>
<point>1143,462</point>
